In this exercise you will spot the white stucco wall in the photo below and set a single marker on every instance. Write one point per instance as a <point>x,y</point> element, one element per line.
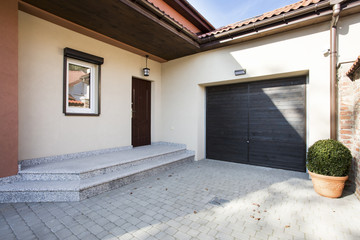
<point>299,52</point>
<point>43,129</point>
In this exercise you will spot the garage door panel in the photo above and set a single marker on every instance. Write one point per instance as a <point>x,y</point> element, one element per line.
<point>270,115</point>
<point>236,151</point>
<point>283,155</point>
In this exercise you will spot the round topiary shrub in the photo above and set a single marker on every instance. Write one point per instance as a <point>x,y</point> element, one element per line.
<point>330,158</point>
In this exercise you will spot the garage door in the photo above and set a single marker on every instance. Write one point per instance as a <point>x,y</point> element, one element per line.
<point>260,123</point>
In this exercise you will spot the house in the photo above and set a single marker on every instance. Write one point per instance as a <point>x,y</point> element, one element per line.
<point>258,91</point>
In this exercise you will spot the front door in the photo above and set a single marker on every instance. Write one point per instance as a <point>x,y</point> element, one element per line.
<point>141,112</point>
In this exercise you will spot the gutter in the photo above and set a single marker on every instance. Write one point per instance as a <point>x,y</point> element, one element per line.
<point>333,61</point>
<point>228,35</point>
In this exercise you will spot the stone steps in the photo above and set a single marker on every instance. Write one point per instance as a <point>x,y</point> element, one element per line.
<point>78,179</point>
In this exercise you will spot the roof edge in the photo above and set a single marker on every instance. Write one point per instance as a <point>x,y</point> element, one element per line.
<point>353,69</point>
<point>281,14</point>
<point>191,14</point>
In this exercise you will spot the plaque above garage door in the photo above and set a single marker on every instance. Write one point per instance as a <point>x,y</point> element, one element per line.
<point>260,123</point>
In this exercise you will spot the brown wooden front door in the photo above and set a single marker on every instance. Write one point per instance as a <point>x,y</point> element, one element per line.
<point>141,112</point>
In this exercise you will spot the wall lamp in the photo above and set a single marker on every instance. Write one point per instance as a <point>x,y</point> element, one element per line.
<point>146,70</point>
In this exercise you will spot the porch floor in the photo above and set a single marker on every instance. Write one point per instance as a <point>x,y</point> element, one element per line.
<point>91,163</point>
<point>197,200</point>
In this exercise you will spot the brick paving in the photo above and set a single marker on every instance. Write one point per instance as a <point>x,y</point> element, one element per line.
<point>247,202</point>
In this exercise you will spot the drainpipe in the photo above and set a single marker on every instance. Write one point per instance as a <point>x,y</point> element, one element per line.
<point>333,61</point>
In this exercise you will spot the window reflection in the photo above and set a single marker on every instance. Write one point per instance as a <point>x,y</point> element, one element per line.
<point>79,86</point>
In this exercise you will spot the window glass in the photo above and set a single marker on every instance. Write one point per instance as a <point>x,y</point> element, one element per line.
<point>79,78</point>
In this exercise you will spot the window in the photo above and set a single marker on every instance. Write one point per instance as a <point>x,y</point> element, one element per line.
<point>81,83</point>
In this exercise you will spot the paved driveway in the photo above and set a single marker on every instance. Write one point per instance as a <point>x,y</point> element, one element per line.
<point>201,200</point>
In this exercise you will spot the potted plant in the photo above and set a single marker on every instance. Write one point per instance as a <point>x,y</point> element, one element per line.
<point>328,162</point>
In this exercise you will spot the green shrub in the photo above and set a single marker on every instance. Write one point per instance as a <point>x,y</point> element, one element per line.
<point>330,158</point>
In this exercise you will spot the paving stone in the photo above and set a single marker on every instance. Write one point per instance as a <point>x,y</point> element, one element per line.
<point>63,233</point>
<point>72,237</point>
<point>84,235</point>
<point>109,226</point>
<point>77,229</point>
<point>157,213</point>
<point>117,231</point>
<point>96,229</point>
<point>102,234</point>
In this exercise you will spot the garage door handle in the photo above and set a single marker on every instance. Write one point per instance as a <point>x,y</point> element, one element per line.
<point>247,141</point>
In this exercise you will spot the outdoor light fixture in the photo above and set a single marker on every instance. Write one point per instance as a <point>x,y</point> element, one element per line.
<point>146,70</point>
<point>240,72</point>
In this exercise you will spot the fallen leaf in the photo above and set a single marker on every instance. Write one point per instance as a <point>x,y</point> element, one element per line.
<point>150,187</point>
<point>130,193</point>
<point>265,210</point>
<point>165,189</point>
<point>206,189</point>
<point>170,175</point>
<point>254,210</point>
<point>258,205</point>
<point>287,226</point>
<point>258,211</point>
<point>195,212</point>
<point>135,188</point>
<point>251,216</point>
<point>257,219</point>
<point>158,179</point>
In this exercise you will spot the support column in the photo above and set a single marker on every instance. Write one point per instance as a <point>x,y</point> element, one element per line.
<point>8,87</point>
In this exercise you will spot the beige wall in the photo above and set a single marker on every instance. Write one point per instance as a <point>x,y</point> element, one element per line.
<point>43,129</point>
<point>299,52</point>
<point>178,100</point>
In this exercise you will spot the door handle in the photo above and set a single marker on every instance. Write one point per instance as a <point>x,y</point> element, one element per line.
<point>247,141</point>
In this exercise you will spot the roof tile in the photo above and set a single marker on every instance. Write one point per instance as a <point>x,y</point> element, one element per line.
<point>353,68</point>
<point>276,12</point>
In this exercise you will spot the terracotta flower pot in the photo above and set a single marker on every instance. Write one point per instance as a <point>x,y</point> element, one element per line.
<point>328,186</point>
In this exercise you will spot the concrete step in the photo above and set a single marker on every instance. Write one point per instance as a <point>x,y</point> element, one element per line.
<point>96,165</point>
<point>81,183</point>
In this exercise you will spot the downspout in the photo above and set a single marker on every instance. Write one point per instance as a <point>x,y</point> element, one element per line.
<point>333,75</point>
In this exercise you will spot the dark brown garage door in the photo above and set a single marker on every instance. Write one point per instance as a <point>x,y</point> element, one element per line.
<point>260,123</point>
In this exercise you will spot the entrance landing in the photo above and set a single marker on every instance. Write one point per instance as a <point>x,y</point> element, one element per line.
<point>81,178</point>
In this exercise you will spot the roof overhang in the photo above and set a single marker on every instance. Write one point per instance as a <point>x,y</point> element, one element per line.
<point>136,23</point>
<point>140,27</point>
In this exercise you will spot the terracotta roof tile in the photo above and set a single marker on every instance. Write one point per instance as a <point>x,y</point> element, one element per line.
<point>353,68</point>
<point>276,12</point>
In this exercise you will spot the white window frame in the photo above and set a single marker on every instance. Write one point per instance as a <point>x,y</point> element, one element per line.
<point>92,62</point>
<point>93,83</point>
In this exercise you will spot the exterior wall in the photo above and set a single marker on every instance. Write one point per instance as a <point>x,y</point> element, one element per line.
<point>298,52</point>
<point>349,119</point>
<point>43,129</point>
<point>8,87</point>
